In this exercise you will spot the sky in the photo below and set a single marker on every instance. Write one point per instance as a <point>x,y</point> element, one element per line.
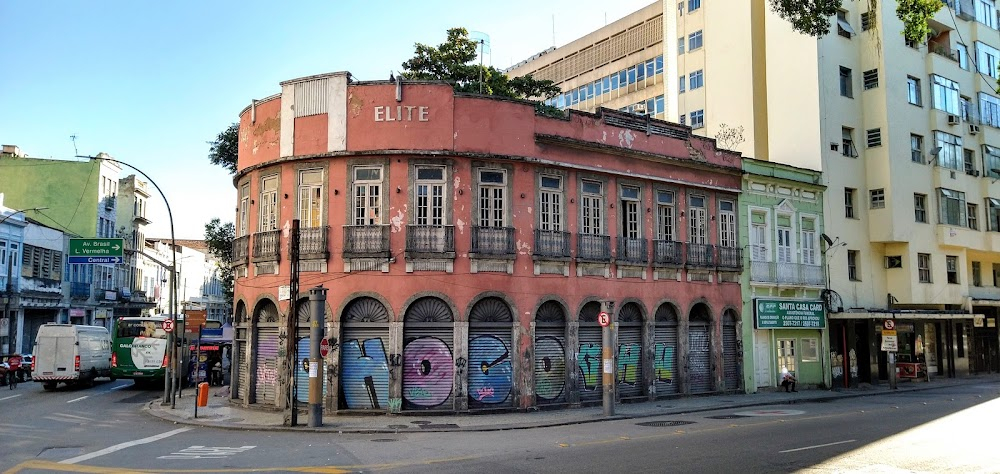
<point>151,83</point>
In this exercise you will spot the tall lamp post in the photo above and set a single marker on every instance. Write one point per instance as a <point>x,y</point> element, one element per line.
<point>172,368</point>
<point>10,283</point>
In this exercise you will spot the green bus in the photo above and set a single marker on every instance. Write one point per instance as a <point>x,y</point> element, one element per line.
<point>139,349</point>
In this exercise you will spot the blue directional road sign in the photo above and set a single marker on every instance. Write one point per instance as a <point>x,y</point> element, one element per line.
<point>96,251</point>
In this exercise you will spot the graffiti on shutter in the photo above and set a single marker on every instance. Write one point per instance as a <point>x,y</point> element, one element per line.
<point>628,375</point>
<point>550,354</point>
<point>364,360</point>
<point>699,357</point>
<point>588,357</point>
<point>665,350</point>
<point>266,363</point>
<point>428,363</point>
<point>490,371</point>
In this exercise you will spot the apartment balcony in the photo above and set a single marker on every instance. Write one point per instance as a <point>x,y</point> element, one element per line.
<point>313,243</point>
<point>786,273</point>
<point>700,255</point>
<point>79,290</point>
<point>632,251</point>
<point>668,252</point>
<point>730,258</point>
<point>266,246</point>
<point>593,247</point>
<point>493,241</point>
<point>241,250</point>
<point>430,239</point>
<point>551,243</point>
<point>366,241</point>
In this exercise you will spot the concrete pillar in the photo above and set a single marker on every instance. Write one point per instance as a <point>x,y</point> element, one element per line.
<point>648,357</point>
<point>395,366</point>
<point>332,361</point>
<point>572,361</point>
<point>461,356</point>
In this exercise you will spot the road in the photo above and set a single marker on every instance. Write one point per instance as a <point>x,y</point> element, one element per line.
<point>103,429</point>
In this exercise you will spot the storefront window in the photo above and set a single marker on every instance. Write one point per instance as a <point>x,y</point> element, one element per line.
<point>810,349</point>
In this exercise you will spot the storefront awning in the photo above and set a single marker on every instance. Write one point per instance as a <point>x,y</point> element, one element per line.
<point>921,316</point>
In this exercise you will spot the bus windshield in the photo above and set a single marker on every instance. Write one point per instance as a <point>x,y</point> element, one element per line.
<point>141,328</point>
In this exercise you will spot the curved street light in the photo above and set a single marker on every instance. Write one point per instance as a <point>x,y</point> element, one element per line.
<point>168,396</point>
<point>10,281</point>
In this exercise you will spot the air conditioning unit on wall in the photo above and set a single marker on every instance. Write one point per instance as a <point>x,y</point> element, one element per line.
<point>953,119</point>
<point>973,128</point>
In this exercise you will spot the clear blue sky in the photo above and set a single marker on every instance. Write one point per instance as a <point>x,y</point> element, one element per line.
<point>151,82</point>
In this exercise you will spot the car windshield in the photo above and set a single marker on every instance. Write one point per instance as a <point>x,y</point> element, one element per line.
<point>141,328</point>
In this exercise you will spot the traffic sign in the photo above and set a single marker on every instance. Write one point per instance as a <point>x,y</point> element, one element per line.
<point>889,324</point>
<point>88,251</point>
<point>603,318</point>
<point>168,325</point>
<point>324,347</point>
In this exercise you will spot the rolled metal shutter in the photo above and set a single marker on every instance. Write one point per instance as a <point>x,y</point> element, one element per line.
<point>364,367</point>
<point>302,370</point>
<point>699,357</point>
<point>491,374</point>
<point>266,363</point>
<point>665,357</point>
<point>243,365</point>
<point>589,362</point>
<point>428,366</point>
<point>731,374</point>
<point>628,375</point>
<point>550,364</point>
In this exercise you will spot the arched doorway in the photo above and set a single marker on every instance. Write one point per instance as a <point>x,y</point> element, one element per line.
<point>241,364</point>
<point>700,349</point>
<point>665,350</point>
<point>265,354</point>
<point>550,354</point>
<point>428,361</point>
<point>628,377</point>
<point>490,370</point>
<point>730,351</point>
<point>589,355</point>
<point>364,361</point>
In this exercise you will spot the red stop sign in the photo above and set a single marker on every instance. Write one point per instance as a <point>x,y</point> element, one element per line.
<point>324,347</point>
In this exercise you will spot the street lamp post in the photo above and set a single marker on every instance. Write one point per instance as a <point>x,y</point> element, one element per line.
<point>10,283</point>
<point>172,366</point>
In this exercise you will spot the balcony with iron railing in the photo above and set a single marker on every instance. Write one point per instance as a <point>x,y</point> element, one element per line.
<point>783,273</point>
<point>700,255</point>
<point>593,247</point>
<point>493,241</point>
<point>432,240</point>
<point>266,246</point>
<point>632,251</point>
<point>241,250</point>
<point>366,241</point>
<point>551,243</point>
<point>668,252</point>
<point>730,258</point>
<point>313,243</point>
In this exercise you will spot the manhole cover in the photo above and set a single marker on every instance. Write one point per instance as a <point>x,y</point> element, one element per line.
<point>726,417</point>
<point>382,440</point>
<point>665,423</point>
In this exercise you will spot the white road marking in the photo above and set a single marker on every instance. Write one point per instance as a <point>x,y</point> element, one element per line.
<point>8,398</point>
<point>817,446</point>
<point>121,446</point>
<point>74,416</point>
<point>78,399</point>
<point>120,387</point>
<point>206,452</point>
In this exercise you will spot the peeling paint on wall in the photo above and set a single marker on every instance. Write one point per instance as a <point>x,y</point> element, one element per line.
<point>397,221</point>
<point>460,225</point>
<point>523,248</point>
<point>625,138</point>
<point>355,105</point>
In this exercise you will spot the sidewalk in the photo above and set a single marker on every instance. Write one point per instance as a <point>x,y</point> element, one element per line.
<point>220,413</point>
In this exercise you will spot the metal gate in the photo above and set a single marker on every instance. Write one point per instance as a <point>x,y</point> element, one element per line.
<point>550,354</point>
<point>266,364</point>
<point>699,357</point>
<point>491,375</point>
<point>665,351</point>
<point>428,361</point>
<point>364,360</point>
<point>730,368</point>
<point>242,365</point>
<point>628,376</point>
<point>589,356</point>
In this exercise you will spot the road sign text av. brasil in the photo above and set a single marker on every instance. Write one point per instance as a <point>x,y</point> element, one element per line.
<point>96,251</point>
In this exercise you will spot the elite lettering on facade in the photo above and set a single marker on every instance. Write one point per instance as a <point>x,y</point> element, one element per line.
<point>401,113</point>
<point>784,314</point>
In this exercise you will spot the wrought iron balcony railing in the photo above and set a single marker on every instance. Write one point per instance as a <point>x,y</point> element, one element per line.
<point>632,250</point>
<point>430,238</point>
<point>551,243</point>
<point>668,252</point>
<point>241,250</point>
<point>786,273</point>
<point>730,258</point>
<point>266,246</point>
<point>366,241</point>
<point>700,255</point>
<point>493,240</point>
<point>312,242</point>
<point>593,247</point>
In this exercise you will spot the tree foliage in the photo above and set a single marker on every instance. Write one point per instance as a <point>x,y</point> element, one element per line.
<point>454,62</point>
<point>812,17</point>
<point>219,238</point>
<point>225,148</point>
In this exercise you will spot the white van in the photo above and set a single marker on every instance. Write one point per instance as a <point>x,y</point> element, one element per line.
<point>70,353</point>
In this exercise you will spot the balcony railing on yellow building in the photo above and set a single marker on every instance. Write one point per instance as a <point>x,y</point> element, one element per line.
<point>786,273</point>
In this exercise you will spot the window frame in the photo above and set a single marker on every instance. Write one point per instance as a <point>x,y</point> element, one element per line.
<point>924,273</point>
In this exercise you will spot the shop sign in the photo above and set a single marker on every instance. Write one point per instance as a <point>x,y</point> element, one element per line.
<point>77,312</point>
<point>890,343</point>
<point>401,113</point>
<point>788,314</point>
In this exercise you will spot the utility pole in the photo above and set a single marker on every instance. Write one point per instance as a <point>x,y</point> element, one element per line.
<point>607,356</point>
<point>8,294</point>
<point>317,301</point>
<point>291,342</point>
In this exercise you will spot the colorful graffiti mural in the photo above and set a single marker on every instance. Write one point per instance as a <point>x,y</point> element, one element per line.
<point>663,363</point>
<point>428,373</point>
<point>490,373</point>
<point>364,374</point>
<point>628,364</point>
<point>550,368</point>
<point>590,365</point>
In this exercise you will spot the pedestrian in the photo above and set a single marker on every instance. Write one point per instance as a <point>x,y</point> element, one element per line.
<point>216,371</point>
<point>225,365</point>
<point>788,380</point>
